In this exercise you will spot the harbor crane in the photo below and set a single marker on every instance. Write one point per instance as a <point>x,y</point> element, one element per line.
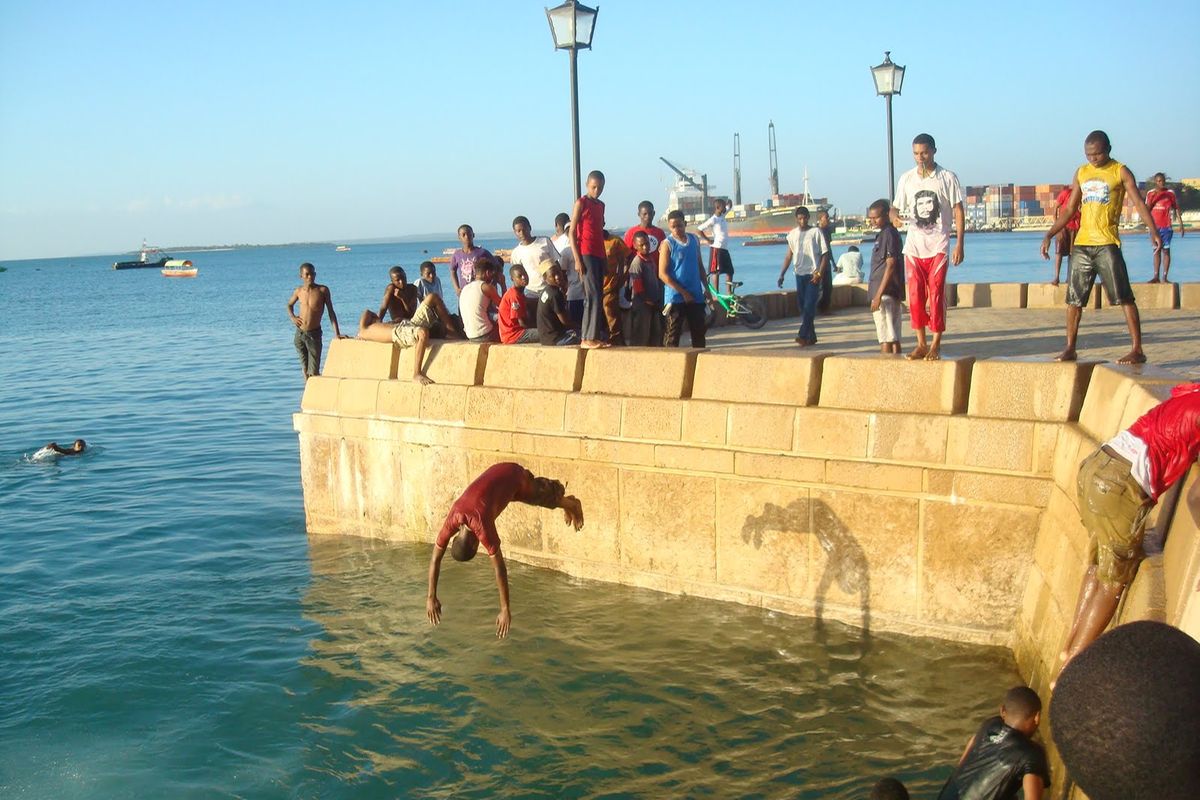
<point>690,181</point>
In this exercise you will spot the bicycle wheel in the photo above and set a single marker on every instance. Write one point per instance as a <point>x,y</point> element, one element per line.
<point>711,311</point>
<point>752,312</point>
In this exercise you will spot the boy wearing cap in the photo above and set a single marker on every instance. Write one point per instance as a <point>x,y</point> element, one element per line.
<point>472,522</point>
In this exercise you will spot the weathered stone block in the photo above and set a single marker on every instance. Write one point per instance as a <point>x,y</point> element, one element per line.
<point>761,376</point>
<point>695,459</point>
<point>444,401</point>
<point>848,295</point>
<point>783,468</point>
<point>537,410</point>
<point>1149,296</point>
<point>998,443</point>
<point>1043,295</point>
<point>991,295</point>
<point>1189,296</point>
<point>620,453</point>
<point>705,422</point>
<point>879,477</point>
<point>597,486</point>
<point>490,408</point>
<point>909,437</point>
<point>453,362</point>
<point>1108,393</point>
<point>763,533</point>
<point>493,441</point>
<point>357,396</point>
<point>779,304</point>
<point>1142,398</point>
<point>357,358</point>
<point>761,427</point>
<point>1030,388</point>
<point>961,486</point>
<point>1045,442</point>
<point>320,394</point>
<point>399,399</point>
<point>667,524</point>
<point>864,552</point>
<point>1146,597</point>
<point>552,368</point>
<point>831,432</point>
<point>976,561</point>
<point>593,414</point>
<point>546,446</point>
<point>645,418</point>
<point>880,383</point>
<point>1181,553</point>
<point>640,371</point>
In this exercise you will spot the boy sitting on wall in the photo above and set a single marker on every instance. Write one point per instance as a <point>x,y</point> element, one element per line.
<point>514,316</point>
<point>414,332</point>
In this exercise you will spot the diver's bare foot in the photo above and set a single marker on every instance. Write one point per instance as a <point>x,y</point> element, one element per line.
<point>592,344</point>
<point>1135,356</point>
<point>1054,282</point>
<point>934,354</point>
<point>1153,280</point>
<point>422,379</point>
<point>1067,355</point>
<point>918,353</point>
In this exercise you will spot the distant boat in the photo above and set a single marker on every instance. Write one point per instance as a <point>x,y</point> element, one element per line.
<point>179,269</point>
<point>146,259</point>
<point>342,248</point>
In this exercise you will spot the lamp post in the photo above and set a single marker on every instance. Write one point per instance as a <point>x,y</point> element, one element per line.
<point>571,25</point>
<point>889,78</point>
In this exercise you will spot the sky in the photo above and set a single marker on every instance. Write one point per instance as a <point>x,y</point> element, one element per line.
<point>272,122</point>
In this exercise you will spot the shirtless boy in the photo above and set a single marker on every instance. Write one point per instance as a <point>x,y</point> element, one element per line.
<point>314,298</point>
<point>399,298</point>
<point>472,521</point>
<point>414,332</point>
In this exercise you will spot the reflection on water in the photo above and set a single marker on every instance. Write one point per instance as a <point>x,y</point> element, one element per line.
<point>612,691</point>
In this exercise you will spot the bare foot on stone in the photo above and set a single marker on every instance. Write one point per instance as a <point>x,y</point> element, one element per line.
<point>1067,355</point>
<point>934,354</point>
<point>423,380</point>
<point>1133,357</point>
<point>919,352</point>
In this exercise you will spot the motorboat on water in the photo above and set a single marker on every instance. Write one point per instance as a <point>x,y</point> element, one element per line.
<point>149,257</point>
<point>178,268</point>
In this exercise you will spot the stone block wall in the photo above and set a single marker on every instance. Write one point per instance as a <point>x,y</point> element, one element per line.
<point>899,495</point>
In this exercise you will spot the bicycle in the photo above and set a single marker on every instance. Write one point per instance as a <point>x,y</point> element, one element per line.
<point>749,311</point>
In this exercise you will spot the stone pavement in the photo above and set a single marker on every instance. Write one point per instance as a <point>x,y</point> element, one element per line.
<point>1171,339</point>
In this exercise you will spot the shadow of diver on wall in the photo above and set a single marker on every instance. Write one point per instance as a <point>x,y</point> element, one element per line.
<point>845,562</point>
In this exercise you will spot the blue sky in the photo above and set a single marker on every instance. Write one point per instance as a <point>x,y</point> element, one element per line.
<point>222,122</point>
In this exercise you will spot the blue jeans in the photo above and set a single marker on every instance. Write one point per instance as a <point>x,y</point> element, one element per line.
<point>807,294</point>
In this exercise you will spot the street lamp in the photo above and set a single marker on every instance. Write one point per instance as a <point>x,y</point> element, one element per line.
<point>889,78</point>
<point>571,25</point>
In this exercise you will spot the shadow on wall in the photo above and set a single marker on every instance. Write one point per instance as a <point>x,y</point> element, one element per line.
<point>845,562</point>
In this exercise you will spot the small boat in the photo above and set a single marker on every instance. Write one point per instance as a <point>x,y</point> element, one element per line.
<point>177,268</point>
<point>342,248</point>
<point>148,258</point>
<point>763,241</point>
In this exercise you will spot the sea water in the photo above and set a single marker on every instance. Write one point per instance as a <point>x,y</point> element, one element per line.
<point>168,629</point>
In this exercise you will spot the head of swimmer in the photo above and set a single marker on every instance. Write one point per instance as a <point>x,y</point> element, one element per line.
<point>78,446</point>
<point>464,545</point>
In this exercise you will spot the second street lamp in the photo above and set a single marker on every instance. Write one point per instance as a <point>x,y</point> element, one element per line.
<point>889,78</point>
<point>571,25</point>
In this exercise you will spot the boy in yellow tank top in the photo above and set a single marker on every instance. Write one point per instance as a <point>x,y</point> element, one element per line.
<point>1098,193</point>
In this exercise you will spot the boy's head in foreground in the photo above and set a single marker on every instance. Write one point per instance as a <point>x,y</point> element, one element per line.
<point>1022,709</point>
<point>520,278</point>
<point>595,183</point>
<point>641,243</point>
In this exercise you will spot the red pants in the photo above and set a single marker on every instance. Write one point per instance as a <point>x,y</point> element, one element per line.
<point>926,280</point>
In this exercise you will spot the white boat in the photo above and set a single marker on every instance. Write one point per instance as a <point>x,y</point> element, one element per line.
<point>177,268</point>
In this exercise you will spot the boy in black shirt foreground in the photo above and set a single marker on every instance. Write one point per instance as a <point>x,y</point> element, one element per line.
<point>1001,760</point>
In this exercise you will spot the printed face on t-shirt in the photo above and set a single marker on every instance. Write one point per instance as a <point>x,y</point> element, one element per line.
<point>926,208</point>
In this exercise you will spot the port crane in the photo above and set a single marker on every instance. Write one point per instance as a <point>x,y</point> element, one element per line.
<point>690,181</point>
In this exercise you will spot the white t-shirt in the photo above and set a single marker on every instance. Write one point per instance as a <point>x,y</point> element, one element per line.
<point>927,207</point>
<point>720,230</point>
<point>530,256</point>
<point>473,307</point>
<point>566,260</point>
<point>807,247</point>
<point>850,264</point>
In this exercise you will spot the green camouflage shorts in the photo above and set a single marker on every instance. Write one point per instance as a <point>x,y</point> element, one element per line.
<point>1113,508</point>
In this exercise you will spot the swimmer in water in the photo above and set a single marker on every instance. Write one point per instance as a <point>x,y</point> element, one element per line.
<point>77,447</point>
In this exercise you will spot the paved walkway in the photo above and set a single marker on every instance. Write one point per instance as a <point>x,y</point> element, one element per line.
<point>1171,339</point>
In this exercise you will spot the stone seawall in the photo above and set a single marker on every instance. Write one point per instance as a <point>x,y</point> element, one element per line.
<point>927,498</point>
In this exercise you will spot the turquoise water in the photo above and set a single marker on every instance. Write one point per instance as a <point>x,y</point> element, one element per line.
<point>167,629</point>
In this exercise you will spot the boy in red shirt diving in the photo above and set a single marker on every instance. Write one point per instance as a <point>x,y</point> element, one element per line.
<point>472,522</point>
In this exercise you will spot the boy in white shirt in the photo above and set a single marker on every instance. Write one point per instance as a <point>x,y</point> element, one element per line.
<point>808,256</point>
<point>719,261</point>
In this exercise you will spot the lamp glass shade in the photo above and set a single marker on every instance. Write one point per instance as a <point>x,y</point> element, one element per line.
<point>889,77</point>
<point>572,25</point>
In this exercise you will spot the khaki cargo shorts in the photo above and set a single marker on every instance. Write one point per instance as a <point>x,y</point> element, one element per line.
<point>1113,508</point>
<point>405,333</point>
